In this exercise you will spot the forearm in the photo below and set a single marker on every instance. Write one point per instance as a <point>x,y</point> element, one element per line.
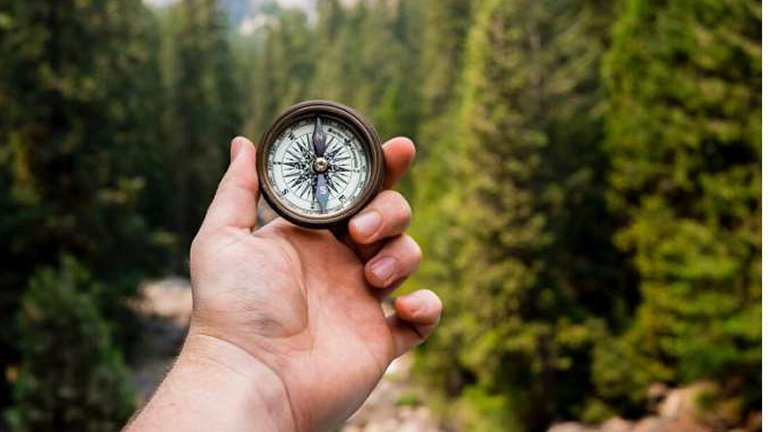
<point>216,386</point>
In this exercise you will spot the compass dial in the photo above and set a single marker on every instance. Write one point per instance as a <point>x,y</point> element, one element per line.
<point>319,163</point>
<point>296,171</point>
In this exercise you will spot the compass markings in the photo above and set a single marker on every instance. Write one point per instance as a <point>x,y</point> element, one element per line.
<point>294,176</point>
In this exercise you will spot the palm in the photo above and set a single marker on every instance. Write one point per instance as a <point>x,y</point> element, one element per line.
<point>301,302</point>
<point>300,294</point>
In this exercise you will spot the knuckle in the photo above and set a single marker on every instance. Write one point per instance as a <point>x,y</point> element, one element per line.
<point>397,206</point>
<point>391,197</point>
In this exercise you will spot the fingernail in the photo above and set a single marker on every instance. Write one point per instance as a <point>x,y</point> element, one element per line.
<point>415,300</point>
<point>384,268</point>
<point>367,223</point>
<point>237,146</point>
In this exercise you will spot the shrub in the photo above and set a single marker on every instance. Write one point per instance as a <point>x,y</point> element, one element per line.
<point>71,377</point>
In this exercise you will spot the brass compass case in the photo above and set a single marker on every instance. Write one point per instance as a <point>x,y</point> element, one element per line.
<point>310,167</point>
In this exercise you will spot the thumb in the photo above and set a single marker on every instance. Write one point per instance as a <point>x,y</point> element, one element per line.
<point>235,202</point>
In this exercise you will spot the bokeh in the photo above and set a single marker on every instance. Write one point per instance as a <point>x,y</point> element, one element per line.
<point>586,192</point>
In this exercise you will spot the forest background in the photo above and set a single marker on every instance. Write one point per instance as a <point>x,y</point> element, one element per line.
<point>586,192</point>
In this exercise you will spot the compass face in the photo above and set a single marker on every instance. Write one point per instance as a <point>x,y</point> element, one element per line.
<point>316,184</point>
<point>319,163</point>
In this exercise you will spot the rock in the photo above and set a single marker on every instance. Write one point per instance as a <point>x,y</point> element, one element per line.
<point>571,427</point>
<point>650,424</point>
<point>655,395</point>
<point>683,402</point>
<point>687,424</point>
<point>169,299</point>
<point>657,390</point>
<point>617,424</point>
<point>662,424</point>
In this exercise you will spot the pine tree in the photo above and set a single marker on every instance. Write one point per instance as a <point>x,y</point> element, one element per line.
<point>684,135</point>
<point>76,127</point>
<point>436,183</point>
<point>398,112</point>
<point>543,286</point>
<point>71,376</point>
<point>443,55</point>
<point>362,62</point>
<point>437,140</point>
<point>284,68</point>
<point>78,124</point>
<point>205,113</point>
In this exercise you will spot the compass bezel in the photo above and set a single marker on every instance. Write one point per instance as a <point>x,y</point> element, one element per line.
<point>369,139</point>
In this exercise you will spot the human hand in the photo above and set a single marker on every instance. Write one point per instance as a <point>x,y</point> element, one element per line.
<point>296,312</point>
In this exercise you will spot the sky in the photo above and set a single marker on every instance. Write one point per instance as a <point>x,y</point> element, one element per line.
<point>246,14</point>
<point>306,4</point>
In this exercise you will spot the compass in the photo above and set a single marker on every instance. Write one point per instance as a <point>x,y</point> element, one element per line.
<point>319,163</point>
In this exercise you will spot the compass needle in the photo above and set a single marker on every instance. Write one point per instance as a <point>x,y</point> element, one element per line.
<point>318,138</point>
<point>321,191</point>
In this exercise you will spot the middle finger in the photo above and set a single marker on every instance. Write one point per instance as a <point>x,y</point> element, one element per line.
<point>399,258</point>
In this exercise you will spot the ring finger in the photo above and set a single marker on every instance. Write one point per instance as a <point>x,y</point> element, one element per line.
<point>398,258</point>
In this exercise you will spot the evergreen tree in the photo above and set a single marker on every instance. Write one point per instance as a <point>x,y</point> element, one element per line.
<point>444,40</point>
<point>436,184</point>
<point>531,259</point>
<point>684,138</point>
<point>437,140</point>
<point>71,377</point>
<point>398,112</point>
<point>205,112</point>
<point>284,68</point>
<point>370,61</point>
<point>78,125</point>
<point>76,86</point>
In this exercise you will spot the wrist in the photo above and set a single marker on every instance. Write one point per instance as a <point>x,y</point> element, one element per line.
<point>236,378</point>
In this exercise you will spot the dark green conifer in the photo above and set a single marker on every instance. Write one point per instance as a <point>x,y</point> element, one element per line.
<point>206,111</point>
<point>71,377</point>
<point>684,139</point>
<point>529,236</point>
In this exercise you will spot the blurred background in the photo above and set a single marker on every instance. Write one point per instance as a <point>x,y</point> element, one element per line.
<point>587,195</point>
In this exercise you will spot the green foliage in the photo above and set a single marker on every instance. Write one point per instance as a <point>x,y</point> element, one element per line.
<point>366,55</point>
<point>77,123</point>
<point>284,68</point>
<point>437,164</point>
<point>203,113</point>
<point>531,189</point>
<point>408,399</point>
<point>77,92</point>
<point>684,139</point>
<point>586,190</point>
<point>72,378</point>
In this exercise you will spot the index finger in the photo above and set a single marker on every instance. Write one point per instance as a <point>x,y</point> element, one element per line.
<point>398,156</point>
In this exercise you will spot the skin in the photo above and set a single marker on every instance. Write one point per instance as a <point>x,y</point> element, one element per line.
<point>287,330</point>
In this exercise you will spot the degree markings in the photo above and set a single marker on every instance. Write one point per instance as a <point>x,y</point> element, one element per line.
<point>290,168</point>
